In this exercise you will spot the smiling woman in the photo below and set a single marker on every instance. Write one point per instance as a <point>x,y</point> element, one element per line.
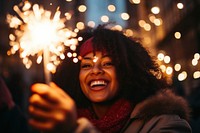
<point>98,78</point>
<point>115,87</point>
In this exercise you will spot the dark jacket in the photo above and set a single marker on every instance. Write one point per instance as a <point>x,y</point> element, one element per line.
<point>164,112</point>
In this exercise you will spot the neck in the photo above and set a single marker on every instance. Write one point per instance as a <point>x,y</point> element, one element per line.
<point>100,109</point>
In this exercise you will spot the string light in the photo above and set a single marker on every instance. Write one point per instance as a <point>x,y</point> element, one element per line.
<point>82,8</point>
<point>111,8</point>
<point>147,27</point>
<point>152,17</point>
<point>196,56</point>
<point>167,59</point>
<point>177,35</point>
<point>104,18</point>
<point>194,62</point>
<point>160,56</point>
<point>163,68</point>
<point>155,10</point>
<point>129,32</point>
<point>135,1</point>
<point>180,5</point>
<point>164,60</point>
<point>182,76</point>
<point>117,27</point>
<point>91,24</point>
<point>177,67</point>
<point>80,25</point>
<point>141,23</point>
<point>196,74</point>
<point>157,21</point>
<point>125,16</point>
<point>169,70</point>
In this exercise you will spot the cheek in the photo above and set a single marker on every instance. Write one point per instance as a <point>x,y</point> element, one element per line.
<point>115,87</point>
<point>82,78</point>
<point>115,82</point>
<point>113,76</point>
<point>81,75</point>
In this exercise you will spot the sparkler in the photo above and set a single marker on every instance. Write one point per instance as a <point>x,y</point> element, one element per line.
<point>35,33</point>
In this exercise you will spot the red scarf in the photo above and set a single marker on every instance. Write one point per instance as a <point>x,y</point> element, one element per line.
<point>114,120</point>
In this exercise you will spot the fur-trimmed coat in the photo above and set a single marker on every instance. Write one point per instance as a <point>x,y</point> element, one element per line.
<point>163,112</point>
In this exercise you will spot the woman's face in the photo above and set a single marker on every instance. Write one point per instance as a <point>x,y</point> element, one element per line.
<point>98,78</point>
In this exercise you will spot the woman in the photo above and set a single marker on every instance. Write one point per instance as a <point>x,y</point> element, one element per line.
<point>117,88</point>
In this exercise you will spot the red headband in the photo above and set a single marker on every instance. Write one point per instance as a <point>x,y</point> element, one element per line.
<point>86,47</point>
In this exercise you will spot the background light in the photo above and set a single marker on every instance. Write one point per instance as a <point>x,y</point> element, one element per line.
<point>177,35</point>
<point>155,10</point>
<point>180,5</point>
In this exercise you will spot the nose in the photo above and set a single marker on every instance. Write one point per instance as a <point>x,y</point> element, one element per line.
<point>96,69</point>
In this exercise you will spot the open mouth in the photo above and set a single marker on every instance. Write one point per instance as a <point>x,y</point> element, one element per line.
<point>98,83</point>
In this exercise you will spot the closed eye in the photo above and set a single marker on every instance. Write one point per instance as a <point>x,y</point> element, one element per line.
<point>85,66</point>
<point>107,64</point>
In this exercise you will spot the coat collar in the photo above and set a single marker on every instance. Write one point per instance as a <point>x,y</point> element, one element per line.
<point>164,102</point>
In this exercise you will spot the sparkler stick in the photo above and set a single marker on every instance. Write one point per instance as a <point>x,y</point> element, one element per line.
<point>47,73</point>
<point>35,33</point>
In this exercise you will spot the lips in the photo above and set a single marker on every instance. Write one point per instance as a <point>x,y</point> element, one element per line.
<point>98,84</point>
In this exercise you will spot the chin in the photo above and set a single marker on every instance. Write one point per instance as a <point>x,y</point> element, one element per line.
<point>103,101</point>
<point>98,100</point>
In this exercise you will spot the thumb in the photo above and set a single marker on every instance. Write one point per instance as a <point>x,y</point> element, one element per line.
<point>58,89</point>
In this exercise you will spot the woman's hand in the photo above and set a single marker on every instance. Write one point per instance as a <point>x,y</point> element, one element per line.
<point>51,109</point>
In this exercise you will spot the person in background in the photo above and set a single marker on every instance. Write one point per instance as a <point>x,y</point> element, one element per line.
<point>116,87</point>
<point>12,120</point>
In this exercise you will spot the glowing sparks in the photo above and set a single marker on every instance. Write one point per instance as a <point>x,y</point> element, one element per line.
<point>35,31</point>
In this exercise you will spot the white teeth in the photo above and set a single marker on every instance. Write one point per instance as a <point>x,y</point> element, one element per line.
<point>97,82</point>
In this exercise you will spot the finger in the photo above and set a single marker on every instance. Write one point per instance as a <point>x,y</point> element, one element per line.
<point>58,89</point>
<point>46,92</point>
<point>65,97</point>
<point>39,102</point>
<point>41,125</point>
<point>54,95</point>
<point>41,107</point>
<point>40,114</point>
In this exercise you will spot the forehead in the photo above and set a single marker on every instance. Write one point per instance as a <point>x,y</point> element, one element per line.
<point>97,56</point>
<point>97,53</point>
